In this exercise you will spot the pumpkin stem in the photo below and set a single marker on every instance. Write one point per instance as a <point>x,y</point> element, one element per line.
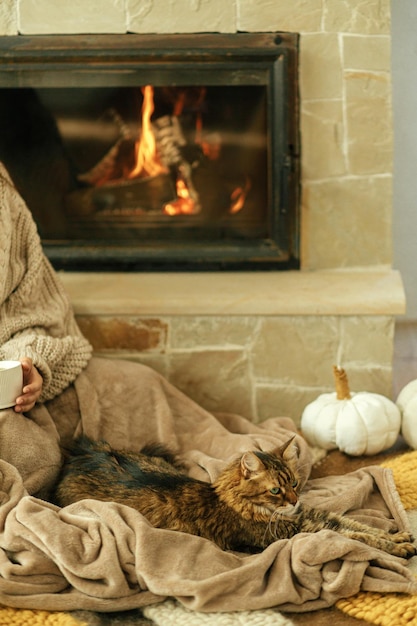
<point>341,383</point>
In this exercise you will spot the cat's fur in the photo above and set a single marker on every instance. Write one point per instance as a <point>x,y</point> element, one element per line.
<point>252,503</point>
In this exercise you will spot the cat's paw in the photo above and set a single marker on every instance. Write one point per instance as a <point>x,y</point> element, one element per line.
<point>402,537</point>
<point>404,550</point>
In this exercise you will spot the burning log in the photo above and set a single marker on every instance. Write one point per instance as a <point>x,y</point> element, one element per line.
<point>140,196</point>
<point>111,165</point>
<point>156,152</point>
<point>169,139</point>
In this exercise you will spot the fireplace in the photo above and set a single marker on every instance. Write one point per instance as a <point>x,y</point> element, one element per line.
<point>149,152</point>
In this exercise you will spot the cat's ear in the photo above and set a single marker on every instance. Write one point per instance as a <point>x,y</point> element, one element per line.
<point>288,450</point>
<point>250,464</point>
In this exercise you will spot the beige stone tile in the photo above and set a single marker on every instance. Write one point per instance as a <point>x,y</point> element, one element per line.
<point>218,380</point>
<point>367,85</point>
<point>320,67</point>
<point>38,17</point>
<point>370,291</point>
<point>366,339</point>
<point>369,122</point>
<point>349,222</point>
<point>181,16</point>
<point>105,333</point>
<point>286,351</point>
<point>8,17</point>
<point>357,16</point>
<point>322,138</point>
<point>367,53</point>
<point>290,401</point>
<point>284,401</point>
<point>295,16</point>
<point>196,332</point>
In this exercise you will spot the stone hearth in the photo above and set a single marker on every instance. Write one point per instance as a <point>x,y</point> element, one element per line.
<point>263,344</point>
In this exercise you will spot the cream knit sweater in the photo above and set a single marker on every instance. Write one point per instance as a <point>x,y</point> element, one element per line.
<point>36,318</point>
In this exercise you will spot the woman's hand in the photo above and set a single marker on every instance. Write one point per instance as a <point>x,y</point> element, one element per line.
<point>32,387</point>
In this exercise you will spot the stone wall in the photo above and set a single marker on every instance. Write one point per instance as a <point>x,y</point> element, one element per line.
<point>260,344</point>
<point>345,90</point>
<point>250,365</point>
<point>276,360</point>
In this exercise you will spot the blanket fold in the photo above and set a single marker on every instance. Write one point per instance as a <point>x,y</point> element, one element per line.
<point>105,557</point>
<point>98,555</point>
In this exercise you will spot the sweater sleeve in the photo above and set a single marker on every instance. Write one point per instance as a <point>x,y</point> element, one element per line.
<point>36,317</point>
<point>58,359</point>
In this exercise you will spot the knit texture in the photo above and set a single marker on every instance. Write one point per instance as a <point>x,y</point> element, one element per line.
<point>23,617</point>
<point>171,613</point>
<point>390,609</point>
<point>36,318</point>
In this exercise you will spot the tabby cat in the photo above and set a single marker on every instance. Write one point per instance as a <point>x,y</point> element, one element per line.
<point>252,503</point>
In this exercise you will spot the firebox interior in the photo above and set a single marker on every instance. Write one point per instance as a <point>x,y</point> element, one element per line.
<point>176,156</point>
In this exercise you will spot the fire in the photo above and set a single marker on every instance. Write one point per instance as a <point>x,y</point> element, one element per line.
<point>238,197</point>
<point>158,149</point>
<point>184,204</point>
<point>147,162</point>
<point>210,144</point>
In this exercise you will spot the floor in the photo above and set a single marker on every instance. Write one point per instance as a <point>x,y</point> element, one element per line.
<point>405,355</point>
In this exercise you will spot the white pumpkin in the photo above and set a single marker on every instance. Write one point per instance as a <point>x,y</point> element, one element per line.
<point>361,423</point>
<point>407,404</point>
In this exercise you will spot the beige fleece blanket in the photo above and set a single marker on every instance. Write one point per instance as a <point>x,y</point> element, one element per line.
<point>106,557</point>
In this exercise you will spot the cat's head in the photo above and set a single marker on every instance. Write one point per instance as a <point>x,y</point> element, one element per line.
<point>269,479</point>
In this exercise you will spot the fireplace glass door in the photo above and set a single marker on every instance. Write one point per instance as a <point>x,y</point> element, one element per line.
<point>146,153</point>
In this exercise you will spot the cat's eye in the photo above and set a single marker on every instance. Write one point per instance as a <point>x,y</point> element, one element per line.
<point>275,490</point>
<point>294,483</point>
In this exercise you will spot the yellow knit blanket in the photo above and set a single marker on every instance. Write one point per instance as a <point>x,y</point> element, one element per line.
<point>25,617</point>
<point>390,609</point>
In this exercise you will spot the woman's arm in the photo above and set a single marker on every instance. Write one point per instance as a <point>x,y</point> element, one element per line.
<point>36,317</point>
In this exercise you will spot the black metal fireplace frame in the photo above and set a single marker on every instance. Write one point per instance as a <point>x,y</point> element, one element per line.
<point>52,61</point>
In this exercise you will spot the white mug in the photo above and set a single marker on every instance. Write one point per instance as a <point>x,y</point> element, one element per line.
<point>11,383</point>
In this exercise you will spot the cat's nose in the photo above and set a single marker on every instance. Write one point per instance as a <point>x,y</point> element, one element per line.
<point>292,496</point>
<point>290,509</point>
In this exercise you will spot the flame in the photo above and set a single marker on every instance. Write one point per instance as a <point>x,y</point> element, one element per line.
<point>210,144</point>
<point>184,204</point>
<point>179,104</point>
<point>238,197</point>
<point>147,163</point>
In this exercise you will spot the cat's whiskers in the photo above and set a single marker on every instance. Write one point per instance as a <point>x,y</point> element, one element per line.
<point>286,511</point>
<point>278,515</point>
